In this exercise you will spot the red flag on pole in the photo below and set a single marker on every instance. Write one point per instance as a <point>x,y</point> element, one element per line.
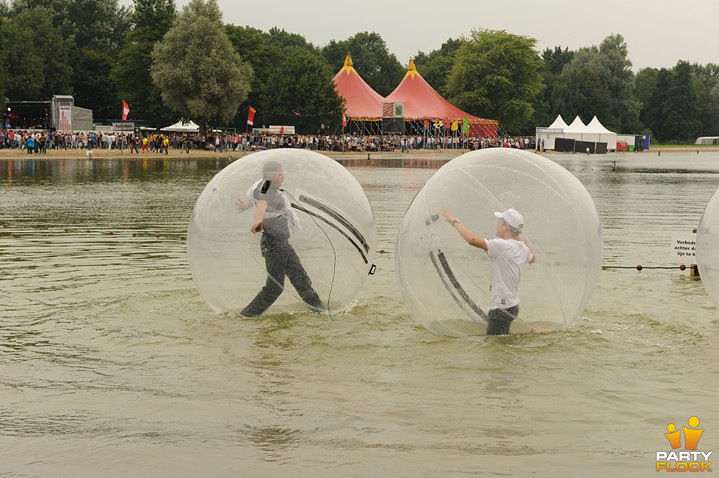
<point>344,119</point>
<point>125,110</point>
<point>251,116</point>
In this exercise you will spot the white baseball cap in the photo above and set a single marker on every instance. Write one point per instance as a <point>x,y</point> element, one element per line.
<point>511,217</point>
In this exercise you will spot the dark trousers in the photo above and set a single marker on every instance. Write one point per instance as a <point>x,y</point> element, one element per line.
<point>501,319</point>
<point>281,260</point>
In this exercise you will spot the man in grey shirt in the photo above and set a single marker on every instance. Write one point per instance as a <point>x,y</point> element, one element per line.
<point>273,217</point>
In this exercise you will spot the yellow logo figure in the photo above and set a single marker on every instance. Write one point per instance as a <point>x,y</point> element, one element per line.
<point>691,435</point>
<point>684,460</point>
<point>674,437</point>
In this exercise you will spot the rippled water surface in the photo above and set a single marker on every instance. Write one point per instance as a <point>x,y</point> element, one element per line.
<point>112,365</point>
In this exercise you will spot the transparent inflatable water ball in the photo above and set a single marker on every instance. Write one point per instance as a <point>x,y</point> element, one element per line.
<point>708,248</point>
<point>446,282</point>
<point>318,235</point>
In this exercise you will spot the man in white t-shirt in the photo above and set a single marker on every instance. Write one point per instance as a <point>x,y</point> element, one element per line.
<point>508,254</point>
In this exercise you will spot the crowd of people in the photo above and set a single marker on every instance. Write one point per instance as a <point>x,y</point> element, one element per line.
<point>40,142</point>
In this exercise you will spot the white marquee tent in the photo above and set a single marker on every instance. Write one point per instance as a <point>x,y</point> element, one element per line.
<point>602,134</point>
<point>182,127</point>
<point>546,136</point>
<point>576,129</point>
<point>593,132</point>
<point>558,123</point>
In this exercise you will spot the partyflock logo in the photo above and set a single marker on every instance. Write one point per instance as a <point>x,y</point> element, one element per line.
<point>688,460</point>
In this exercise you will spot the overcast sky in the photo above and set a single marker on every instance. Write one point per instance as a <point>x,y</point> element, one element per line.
<point>658,33</point>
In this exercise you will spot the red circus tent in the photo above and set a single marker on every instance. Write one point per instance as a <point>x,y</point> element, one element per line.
<point>362,103</point>
<point>422,102</point>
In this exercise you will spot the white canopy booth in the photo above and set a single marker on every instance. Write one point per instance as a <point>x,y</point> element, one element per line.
<point>600,134</point>
<point>558,123</point>
<point>182,127</point>
<point>554,136</point>
<point>546,136</point>
<point>576,130</point>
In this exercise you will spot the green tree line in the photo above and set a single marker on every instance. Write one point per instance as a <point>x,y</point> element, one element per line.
<point>167,64</point>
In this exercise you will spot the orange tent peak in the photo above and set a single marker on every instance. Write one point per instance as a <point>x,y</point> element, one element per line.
<point>411,69</point>
<point>348,64</point>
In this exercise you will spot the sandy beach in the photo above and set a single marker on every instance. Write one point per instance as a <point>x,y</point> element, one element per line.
<point>445,154</point>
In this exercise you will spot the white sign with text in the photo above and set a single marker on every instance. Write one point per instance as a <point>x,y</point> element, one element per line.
<point>684,246</point>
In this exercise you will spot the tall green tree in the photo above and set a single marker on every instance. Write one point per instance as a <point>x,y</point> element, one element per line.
<point>706,89</point>
<point>645,83</point>
<point>199,74</point>
<point>4,41</point>
<point>280,38</point>
<point>98,25</point>
<point>681,107</point>
<point>620,82</point>
<point>151,19</point>
<point>556,59</point>
<point>580,89</point>
<point>92,85</point>
<point>598,81</point>
<point>95,30</point>
<point>263,51</point>
<point>301,93</point>
<point>553,62</point>
<point>680,104</point>
<point>496,75</point>
<point>21,63</point>
<point>654,85</point>
<point>99,28</point>
<point>40,63</point>
<point>436,65</point>
<point>372,60</point>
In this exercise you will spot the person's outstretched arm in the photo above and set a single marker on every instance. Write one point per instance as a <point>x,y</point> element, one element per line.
<point>471,238</point>
<point>243,206</point>
<point>259,216</point>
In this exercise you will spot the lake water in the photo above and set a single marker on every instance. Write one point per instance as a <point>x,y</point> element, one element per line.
<point>112,365</point>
